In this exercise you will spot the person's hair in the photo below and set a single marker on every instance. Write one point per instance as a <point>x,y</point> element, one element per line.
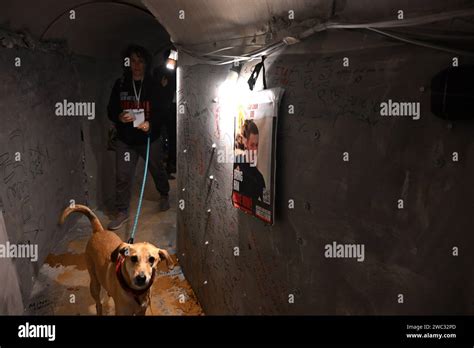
<point>142,53</point>
<point>239,142</point>
<point>249,127</point>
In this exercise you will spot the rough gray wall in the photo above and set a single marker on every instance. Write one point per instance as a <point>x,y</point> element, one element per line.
<point>35,189</point>
<point>52,170</point>
<point>97,79</point>
<point>407,251</point>
<point>11,302</point>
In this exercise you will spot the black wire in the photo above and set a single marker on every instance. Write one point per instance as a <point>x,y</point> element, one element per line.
<point>255,73</point>
<point>94,2</point>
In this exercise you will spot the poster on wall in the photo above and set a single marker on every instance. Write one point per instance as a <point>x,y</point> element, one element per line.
<point>255,154</point>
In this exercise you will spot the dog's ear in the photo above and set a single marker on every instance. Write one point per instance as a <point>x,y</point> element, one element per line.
<point>163,254</point>
<point>123,249</point>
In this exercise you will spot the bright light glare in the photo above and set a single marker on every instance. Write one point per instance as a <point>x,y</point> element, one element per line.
<point>171,64</point>
<point>229,95</point>
<point>171,61</point>
<point>227,89</point>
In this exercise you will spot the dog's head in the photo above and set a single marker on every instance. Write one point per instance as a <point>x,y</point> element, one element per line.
<point>140,259</point>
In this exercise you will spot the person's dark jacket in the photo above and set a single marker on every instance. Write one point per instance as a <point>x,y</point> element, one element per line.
<point>166,93</point>
<point>123,97</point>
<point>253,182</point>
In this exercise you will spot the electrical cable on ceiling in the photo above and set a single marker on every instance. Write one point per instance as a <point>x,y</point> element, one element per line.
<point>421,43</point>
<point>254,37</point>
<point>391,24</point>
<point>430,35</point>
<point>217,59</point>
<point>122,3</point>
<point>110,2</point>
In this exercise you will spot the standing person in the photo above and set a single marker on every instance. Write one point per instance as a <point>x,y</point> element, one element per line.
<point>134,97</point>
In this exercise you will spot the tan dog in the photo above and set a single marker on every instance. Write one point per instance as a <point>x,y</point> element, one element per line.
<point>126,271</point>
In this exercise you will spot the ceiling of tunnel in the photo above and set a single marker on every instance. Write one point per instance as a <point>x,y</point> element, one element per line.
<point>213,20</point>
<point>216,21</point>
<point>101,28</point>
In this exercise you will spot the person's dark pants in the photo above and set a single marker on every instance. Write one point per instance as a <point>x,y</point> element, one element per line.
<point>125,170</point>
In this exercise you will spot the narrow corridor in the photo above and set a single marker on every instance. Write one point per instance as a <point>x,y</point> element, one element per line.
<point>62,286</point>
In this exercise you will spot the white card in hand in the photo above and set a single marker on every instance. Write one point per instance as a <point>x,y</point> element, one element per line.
<point>139,115</point>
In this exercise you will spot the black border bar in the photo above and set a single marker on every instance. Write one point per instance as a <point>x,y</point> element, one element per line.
<point>244,329</point>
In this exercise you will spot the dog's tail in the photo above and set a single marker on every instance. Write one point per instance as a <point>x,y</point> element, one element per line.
<point>96,225</point>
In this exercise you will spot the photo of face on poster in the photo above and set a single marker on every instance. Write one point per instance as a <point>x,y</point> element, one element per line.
<point>254,156</point>
<point>252,150</point>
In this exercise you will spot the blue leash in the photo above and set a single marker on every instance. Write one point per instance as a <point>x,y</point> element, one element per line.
<point>134,230</point>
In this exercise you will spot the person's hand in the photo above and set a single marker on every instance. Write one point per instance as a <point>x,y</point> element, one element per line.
<point>145,126</point>
<point>125,117</point>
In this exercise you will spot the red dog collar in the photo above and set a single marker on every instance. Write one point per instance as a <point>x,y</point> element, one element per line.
<point>133,292</point>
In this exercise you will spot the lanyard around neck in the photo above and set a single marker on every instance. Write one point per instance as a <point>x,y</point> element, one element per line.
<point>137,96</point>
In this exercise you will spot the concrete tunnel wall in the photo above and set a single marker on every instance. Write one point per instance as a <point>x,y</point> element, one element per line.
<point>407,251</point>
<point>61,157</point>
